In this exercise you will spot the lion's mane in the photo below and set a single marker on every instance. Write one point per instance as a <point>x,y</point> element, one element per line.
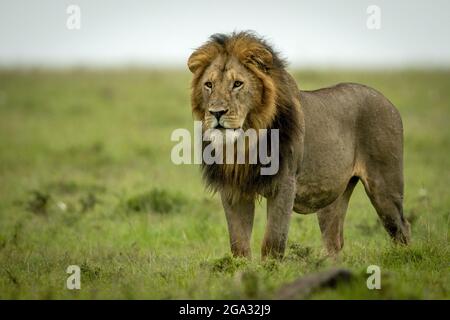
<point>279,109</point>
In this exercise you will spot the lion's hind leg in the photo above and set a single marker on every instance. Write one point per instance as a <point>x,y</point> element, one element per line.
<point>331,220</point>
<point>379,163</point>
<point>385,191</point>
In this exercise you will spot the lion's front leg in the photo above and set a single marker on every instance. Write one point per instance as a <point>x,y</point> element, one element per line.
<point>240,223</point>
<point>279,210</point>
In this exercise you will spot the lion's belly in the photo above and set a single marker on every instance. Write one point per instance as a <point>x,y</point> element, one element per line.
<point>320,187</point>
<point>328,156</point>
<point>314,196</point>
<point>324,175</point>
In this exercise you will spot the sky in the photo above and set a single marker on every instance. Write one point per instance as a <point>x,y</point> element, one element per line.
<point>314,33</point>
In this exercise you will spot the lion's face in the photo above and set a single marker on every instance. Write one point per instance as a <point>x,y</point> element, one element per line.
<point>230,91</point>
<point>233,85</point>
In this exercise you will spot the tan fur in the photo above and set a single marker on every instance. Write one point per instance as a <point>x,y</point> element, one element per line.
<point>329,140</point>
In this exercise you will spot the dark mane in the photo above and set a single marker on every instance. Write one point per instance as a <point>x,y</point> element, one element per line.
<point>253,183</point>
<point>280,109</point>
<point>222,38</point>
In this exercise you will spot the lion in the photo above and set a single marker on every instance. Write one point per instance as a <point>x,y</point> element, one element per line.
<point>330,139</point>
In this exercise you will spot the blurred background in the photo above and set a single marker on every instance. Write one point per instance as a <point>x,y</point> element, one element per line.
<point>90,92</point>
<point>321,33</point>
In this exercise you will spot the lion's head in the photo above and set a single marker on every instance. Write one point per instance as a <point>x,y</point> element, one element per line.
<point>240,82</point>
<point>233,85</point>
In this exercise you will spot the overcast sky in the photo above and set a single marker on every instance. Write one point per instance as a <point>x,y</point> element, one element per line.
<point>309,33</point>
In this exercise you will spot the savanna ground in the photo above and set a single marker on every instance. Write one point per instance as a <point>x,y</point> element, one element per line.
<point>86,179</point>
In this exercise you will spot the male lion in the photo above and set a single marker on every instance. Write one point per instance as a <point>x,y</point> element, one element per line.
<point>329,139</point>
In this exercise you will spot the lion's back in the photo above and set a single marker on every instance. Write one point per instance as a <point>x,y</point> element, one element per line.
<point>352,109</point>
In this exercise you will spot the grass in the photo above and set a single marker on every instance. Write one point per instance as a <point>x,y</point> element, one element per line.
<point>86,179</point>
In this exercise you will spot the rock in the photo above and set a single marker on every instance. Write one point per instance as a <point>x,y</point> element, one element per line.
<point>304,286</point>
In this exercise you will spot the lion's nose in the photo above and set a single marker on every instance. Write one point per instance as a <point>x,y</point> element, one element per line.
<point>218,114</point>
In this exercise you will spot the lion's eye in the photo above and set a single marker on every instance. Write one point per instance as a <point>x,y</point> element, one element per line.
<point>208,84</point>
<point>237,84</point>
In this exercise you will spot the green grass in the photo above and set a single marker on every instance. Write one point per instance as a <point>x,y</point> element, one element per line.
<point>86,179</point>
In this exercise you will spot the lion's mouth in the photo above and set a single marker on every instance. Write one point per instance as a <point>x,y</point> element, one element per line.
<point>221,127</point>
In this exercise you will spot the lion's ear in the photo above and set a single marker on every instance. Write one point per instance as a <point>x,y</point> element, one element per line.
<point>202,57</point>
<point>259,56</point>
<point>194,62</point>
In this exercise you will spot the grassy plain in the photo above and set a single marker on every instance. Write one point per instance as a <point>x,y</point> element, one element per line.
<point>86,179</point>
